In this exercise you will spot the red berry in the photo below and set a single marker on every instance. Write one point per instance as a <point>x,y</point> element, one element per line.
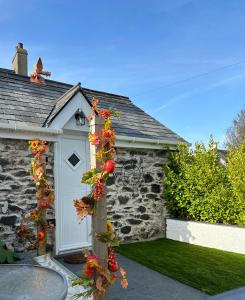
<point>40,235</point>
<point>113,267</point>
<point>109,166</point>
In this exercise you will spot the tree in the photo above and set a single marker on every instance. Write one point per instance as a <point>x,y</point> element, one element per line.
<point>236,133</point>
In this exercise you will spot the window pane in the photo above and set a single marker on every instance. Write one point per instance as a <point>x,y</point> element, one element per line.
<point>73,160</point>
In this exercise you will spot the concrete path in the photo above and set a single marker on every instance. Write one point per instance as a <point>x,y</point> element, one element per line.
<point>145,284</point>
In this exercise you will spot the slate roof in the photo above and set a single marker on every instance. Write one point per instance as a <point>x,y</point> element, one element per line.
<point>26,103</point>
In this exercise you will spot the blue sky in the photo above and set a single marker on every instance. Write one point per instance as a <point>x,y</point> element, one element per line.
<point>181,61</point>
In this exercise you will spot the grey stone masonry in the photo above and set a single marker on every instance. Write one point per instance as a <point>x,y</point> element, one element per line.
<point>135,203</point>
<point>17,190</point>
<point>134,192</point>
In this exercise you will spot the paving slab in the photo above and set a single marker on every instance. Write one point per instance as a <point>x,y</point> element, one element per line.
<point>145,284</point>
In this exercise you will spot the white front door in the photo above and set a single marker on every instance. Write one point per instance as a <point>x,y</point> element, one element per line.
<point>71,162</point>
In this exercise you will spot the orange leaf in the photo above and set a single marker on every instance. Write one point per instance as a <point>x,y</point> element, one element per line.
<point>124,283</point>
<point>82,209</point>
<point>99,284</point>
<point>95,101</point>
<point>122,271</point>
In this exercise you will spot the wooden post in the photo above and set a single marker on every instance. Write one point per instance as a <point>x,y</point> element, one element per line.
<point>99,220</point>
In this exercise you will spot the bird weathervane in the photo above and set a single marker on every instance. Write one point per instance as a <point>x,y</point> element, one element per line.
<point>36,75</point>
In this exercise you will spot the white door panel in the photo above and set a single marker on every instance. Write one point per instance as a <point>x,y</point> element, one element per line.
<point>73,162</point>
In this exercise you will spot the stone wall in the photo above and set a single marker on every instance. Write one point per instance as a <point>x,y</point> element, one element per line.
<point>17,191</point>
<point>135,202</point>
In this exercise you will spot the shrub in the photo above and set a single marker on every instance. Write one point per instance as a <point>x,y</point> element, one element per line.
<point>236,176</point>
<point>198,187</point>
<point>7,256</point>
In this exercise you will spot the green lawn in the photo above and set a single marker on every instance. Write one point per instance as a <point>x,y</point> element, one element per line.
<point>209,270</point>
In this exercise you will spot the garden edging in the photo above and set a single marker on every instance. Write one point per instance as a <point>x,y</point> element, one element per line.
<point>219,236</point>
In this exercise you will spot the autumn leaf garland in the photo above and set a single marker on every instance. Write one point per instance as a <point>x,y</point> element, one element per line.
<point>105,149</point>
<point>95,278</point>
<point>44,195</point>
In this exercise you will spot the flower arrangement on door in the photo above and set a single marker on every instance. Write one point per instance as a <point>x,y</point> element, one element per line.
<point>98,277</point>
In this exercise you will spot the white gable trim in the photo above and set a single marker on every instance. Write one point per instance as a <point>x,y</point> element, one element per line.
<point>20,132</point>
<point>23,132</point>
<point>77,102</point>
<point>143,143</point>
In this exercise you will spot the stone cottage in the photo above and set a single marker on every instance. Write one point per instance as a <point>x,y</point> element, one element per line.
<point>56,111</point>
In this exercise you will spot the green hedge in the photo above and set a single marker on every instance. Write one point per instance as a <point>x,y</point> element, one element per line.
<point>198,187</point>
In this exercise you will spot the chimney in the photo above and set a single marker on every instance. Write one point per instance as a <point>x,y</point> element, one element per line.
<point>19,61</point>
